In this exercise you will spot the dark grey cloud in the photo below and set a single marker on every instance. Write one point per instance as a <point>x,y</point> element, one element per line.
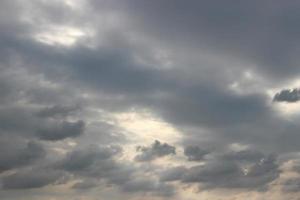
<point>264,33</point>
<point>229,175</point>
<point>96,164</point>
<point>212,106</point>
<point>33,116</point>
<point>99,163</point>
<point>16,119</point>
<point>31,179</point>
<point>287,95</point>
<point>214,174</point>
<point>57,110</point>
<point>195,153</point>
<point>156,150</point>
<point>248,155</point>
<point>173,174</point>
<point>13,155</point>
<point>61,131</point>
<point>220,172</point>
<point>185,62</point>
<point>81,159</point>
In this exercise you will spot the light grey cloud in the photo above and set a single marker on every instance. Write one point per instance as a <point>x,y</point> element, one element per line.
<point>85,185</point>
<point>291,185</point>
<point>149,186</point>
<point>156,150</point>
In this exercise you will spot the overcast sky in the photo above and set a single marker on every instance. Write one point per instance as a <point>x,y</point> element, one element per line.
<point>149,99</point>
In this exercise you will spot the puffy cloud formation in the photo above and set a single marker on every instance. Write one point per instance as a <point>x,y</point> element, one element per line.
<point>156,150</point>
<point>287,95</point>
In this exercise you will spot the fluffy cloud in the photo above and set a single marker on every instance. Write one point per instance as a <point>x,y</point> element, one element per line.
<point>156,150</point>
<point>287,96</point>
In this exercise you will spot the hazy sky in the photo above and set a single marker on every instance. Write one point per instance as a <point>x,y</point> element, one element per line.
<point>149,99</point>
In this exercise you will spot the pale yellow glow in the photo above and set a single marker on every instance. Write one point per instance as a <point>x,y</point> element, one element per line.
<point>60,150</point>
<point>60,36</point>
<point>288,108</point>
<point>238,147</point>
<point>145,128</point>
<point>74,4</point>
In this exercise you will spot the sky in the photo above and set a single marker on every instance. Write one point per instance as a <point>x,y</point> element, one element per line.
<point>140,100</point>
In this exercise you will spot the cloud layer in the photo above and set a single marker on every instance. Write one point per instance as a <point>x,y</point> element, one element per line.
<point>149,99</point>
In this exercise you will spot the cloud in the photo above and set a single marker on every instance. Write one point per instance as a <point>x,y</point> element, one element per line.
<point>291,185</point>
<point>226,29</point>
<point>12,156</point>
<point>156,150</point>
<point>194,153</point>
<point>149,186</point>
<point>287,95</point>
<point>61,131</point>
<point>84,185</point>
<point>97,162</point>
<point>247,155</point>
<point>111,57</point>
<point>57,110</point>
<point>31,179</point>
<point>225,173</point>
<point>78,160</point>
<point>173,174</point>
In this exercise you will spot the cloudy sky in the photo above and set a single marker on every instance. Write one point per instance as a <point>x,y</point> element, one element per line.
<point>140,100</point>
